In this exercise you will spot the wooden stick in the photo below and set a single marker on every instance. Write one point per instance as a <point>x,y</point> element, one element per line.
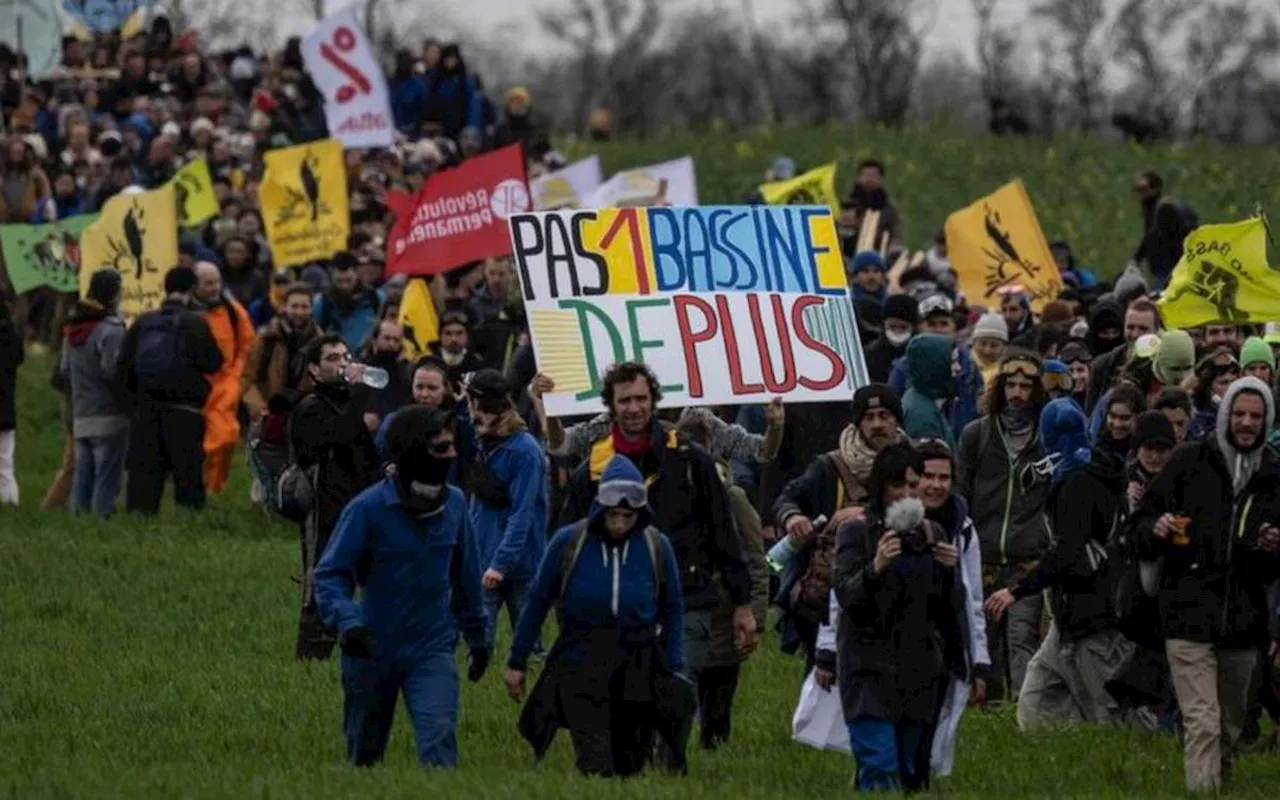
<point>867,233</point>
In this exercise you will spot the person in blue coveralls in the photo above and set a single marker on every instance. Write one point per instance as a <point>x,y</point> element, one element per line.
<point>509,497</point>
<point>406,543</point>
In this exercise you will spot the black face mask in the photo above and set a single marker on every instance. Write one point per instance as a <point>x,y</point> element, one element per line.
<point>421,479</point>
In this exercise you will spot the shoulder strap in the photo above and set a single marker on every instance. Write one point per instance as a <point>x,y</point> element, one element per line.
<point>572,549</point>
<point>653,540</point>
<point>845,488</point>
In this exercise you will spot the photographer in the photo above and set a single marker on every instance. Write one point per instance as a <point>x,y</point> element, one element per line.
<point>898,593</point>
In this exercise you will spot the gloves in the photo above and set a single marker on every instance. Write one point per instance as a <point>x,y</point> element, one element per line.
<point>357,642</point>
<point>477,664</point>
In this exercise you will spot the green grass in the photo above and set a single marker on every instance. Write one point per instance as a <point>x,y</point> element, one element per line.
<point>154,659</point>
<point>1081,187</point>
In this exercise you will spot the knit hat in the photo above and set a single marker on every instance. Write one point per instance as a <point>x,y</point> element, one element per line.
<point>876,395</point>
<point>1254,351</point>
<point>1152,428</point>
<point>867,259</point>
<point>104,287</point>
<point>1055,311</point>
<point>900,306</point>
<point>1176,357</point>
<point>1129,285</point>
<point>990,326</point>
<point>1074,351</point>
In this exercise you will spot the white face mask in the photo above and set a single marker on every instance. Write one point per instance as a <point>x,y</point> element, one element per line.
<point>898,338</point>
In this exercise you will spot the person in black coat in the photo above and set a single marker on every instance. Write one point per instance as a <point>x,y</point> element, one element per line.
<point>12,355</point>
<point>900,604</point>
<point>901,319</point>
<point>329,439</point>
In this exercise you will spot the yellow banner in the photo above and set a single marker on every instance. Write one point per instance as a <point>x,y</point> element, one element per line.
<point>996,244</point>
<point>419,320</point>
<point>1223,277</point>
<point>136,235</point>
<point>193,188</point>
<point>817,187</point>
<point>304,202</point>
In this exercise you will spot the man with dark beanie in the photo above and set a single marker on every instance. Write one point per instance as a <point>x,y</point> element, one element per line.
<point>92,340</point>
<point>901,319</point>
<point>164,366</point>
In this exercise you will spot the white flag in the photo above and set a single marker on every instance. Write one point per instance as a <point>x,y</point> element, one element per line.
<point>568,187</point>
<point>671,183</point>
<point>357,104</point>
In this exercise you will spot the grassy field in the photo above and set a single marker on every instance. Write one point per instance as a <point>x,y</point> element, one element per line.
<point>1081,187</point>
<point>154,659</point>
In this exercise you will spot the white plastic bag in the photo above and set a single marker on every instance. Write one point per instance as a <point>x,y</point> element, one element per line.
<point>819,718</point>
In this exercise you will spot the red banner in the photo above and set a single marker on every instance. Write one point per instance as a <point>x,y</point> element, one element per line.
<point>460,215</point>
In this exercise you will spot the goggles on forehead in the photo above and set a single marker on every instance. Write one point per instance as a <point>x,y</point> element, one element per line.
<point>1021,366</point>
<point>936,304</point>
<point>1057,380</point>
<point>611,494</point>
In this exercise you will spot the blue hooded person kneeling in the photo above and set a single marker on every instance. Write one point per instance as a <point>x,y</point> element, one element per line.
<point>613,677</point>
<point>406,542</point>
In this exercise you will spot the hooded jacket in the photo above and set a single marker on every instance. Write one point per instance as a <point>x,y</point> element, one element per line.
<point>419,581</point>
<point>90,353</point>
<point>1213,587</point>
<point>1107,360</point>
<point>968,379</point>
<point>929,368</point>
<point>511,535</point>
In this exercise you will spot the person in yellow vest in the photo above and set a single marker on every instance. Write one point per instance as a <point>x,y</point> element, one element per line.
<point>233,331</point>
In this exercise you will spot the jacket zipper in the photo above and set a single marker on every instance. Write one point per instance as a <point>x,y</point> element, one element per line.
<point>1232,533</point>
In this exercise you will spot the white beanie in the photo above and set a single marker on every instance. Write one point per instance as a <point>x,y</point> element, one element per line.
<point>990,326</point>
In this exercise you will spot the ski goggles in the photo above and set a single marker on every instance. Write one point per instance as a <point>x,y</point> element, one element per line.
<point>936,304</point>
<point>1018,365</point>
<point>1057,380</point>
<point>612,494</point>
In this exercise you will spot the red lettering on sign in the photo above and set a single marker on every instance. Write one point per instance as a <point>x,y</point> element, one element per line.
<point>688,338</point>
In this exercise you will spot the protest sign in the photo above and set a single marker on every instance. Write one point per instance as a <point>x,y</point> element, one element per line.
<point>136,235</point>
<point>996,244</point>
<point>193,190</point>
<point>44,255</point>
<point>566,188</point>
<point>459,216</point>
<point>1223,277</point>
<point>32,28</point>
<point>728,305</point>
<point>304,202</point>
<point>815,187</point>
<point>672,183</point>
<point>357,104</point>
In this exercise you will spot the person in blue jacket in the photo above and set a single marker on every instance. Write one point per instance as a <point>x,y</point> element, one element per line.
<point>406,542</point>
<point>936,314</point>
<point>408,95</point>
<point>509,497</point>
<point>610,677</point>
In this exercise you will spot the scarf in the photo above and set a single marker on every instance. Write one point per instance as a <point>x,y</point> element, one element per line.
<point>858,455</point>
<point>1018,420</point>
<point>632,449</point>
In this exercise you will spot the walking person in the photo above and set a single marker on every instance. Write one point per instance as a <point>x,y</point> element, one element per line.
<point>92,340</point>
<point>165,364</point>
<point>12,354</point>
<point>233,331</point>
<point>406,544</point>
<point>620,651</point>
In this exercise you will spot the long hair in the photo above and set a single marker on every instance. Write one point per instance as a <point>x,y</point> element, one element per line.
<point>890,469</point>
<point>995,402</point>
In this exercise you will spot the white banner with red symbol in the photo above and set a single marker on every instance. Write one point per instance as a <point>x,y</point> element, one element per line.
<point>357,104</point>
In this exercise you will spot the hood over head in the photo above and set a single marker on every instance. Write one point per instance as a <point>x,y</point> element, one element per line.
<point>1243,463</point>
<point>1175,357</point>
<point>1064,436</point>
<point>929,366</point>
<point>620,473</point>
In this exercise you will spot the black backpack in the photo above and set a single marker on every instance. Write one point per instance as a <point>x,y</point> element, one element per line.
<point>160,359</point>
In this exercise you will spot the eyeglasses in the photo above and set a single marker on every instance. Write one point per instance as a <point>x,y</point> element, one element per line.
<point>618,493</point>
<point>1021,366</point>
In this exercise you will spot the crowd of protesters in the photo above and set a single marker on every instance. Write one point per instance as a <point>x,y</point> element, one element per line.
<point>1073,511</point>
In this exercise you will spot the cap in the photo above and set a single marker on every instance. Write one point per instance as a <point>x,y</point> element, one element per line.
<point>876,395</point>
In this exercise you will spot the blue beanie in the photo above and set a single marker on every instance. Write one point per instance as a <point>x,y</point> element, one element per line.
<point>867,259</point>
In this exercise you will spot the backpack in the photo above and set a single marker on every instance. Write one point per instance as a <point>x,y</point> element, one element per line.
<point>294,494</point>
<point>810,595</point>
<point>159,357</point>
<point>573,549</point>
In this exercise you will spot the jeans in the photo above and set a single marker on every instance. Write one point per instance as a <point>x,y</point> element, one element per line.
<point>890,756</point>
<point>99,467</point>
<point>371,688</point>
<point>509,594</point>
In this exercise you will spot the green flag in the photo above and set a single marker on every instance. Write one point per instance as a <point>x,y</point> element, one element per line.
<point>44,255</point>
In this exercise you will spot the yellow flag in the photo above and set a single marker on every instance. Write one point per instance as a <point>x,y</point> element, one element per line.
<point>996,244</point>
<point>304,202</point>
<point>418,318</point>
<point>193,187</point>
<point>137,235</point>
<point>1223,277</point>
<point>817,187</point>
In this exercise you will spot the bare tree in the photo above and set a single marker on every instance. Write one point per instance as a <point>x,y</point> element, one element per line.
<point>996,45</point>
<point>1225,53</point>
<point>1087,47</point>
<point>1144,30</point>
<point>764,58</point>
<point>884,47</point>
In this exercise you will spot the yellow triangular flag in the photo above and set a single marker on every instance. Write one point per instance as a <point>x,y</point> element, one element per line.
<point>193,187</point>
<point>419,319</point>
<point>137,235</point>
<point>817,187</point>
<point>304,202</point>
<point>1223,277</point>
<point>996,244</point>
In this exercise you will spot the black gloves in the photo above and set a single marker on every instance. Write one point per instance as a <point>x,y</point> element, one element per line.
<point>357,642</point>
<point>477,664</point>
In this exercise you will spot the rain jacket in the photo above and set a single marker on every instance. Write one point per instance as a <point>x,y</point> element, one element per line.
<point>234,334</point>
<point>1007,493</point>
<point>91,349</point>
<point>511,531</point>
<point>963,407</point>
<point>407,570</point>
<point>929,368</point>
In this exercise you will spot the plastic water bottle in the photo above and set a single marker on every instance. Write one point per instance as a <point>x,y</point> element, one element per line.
<point>373,377</point>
